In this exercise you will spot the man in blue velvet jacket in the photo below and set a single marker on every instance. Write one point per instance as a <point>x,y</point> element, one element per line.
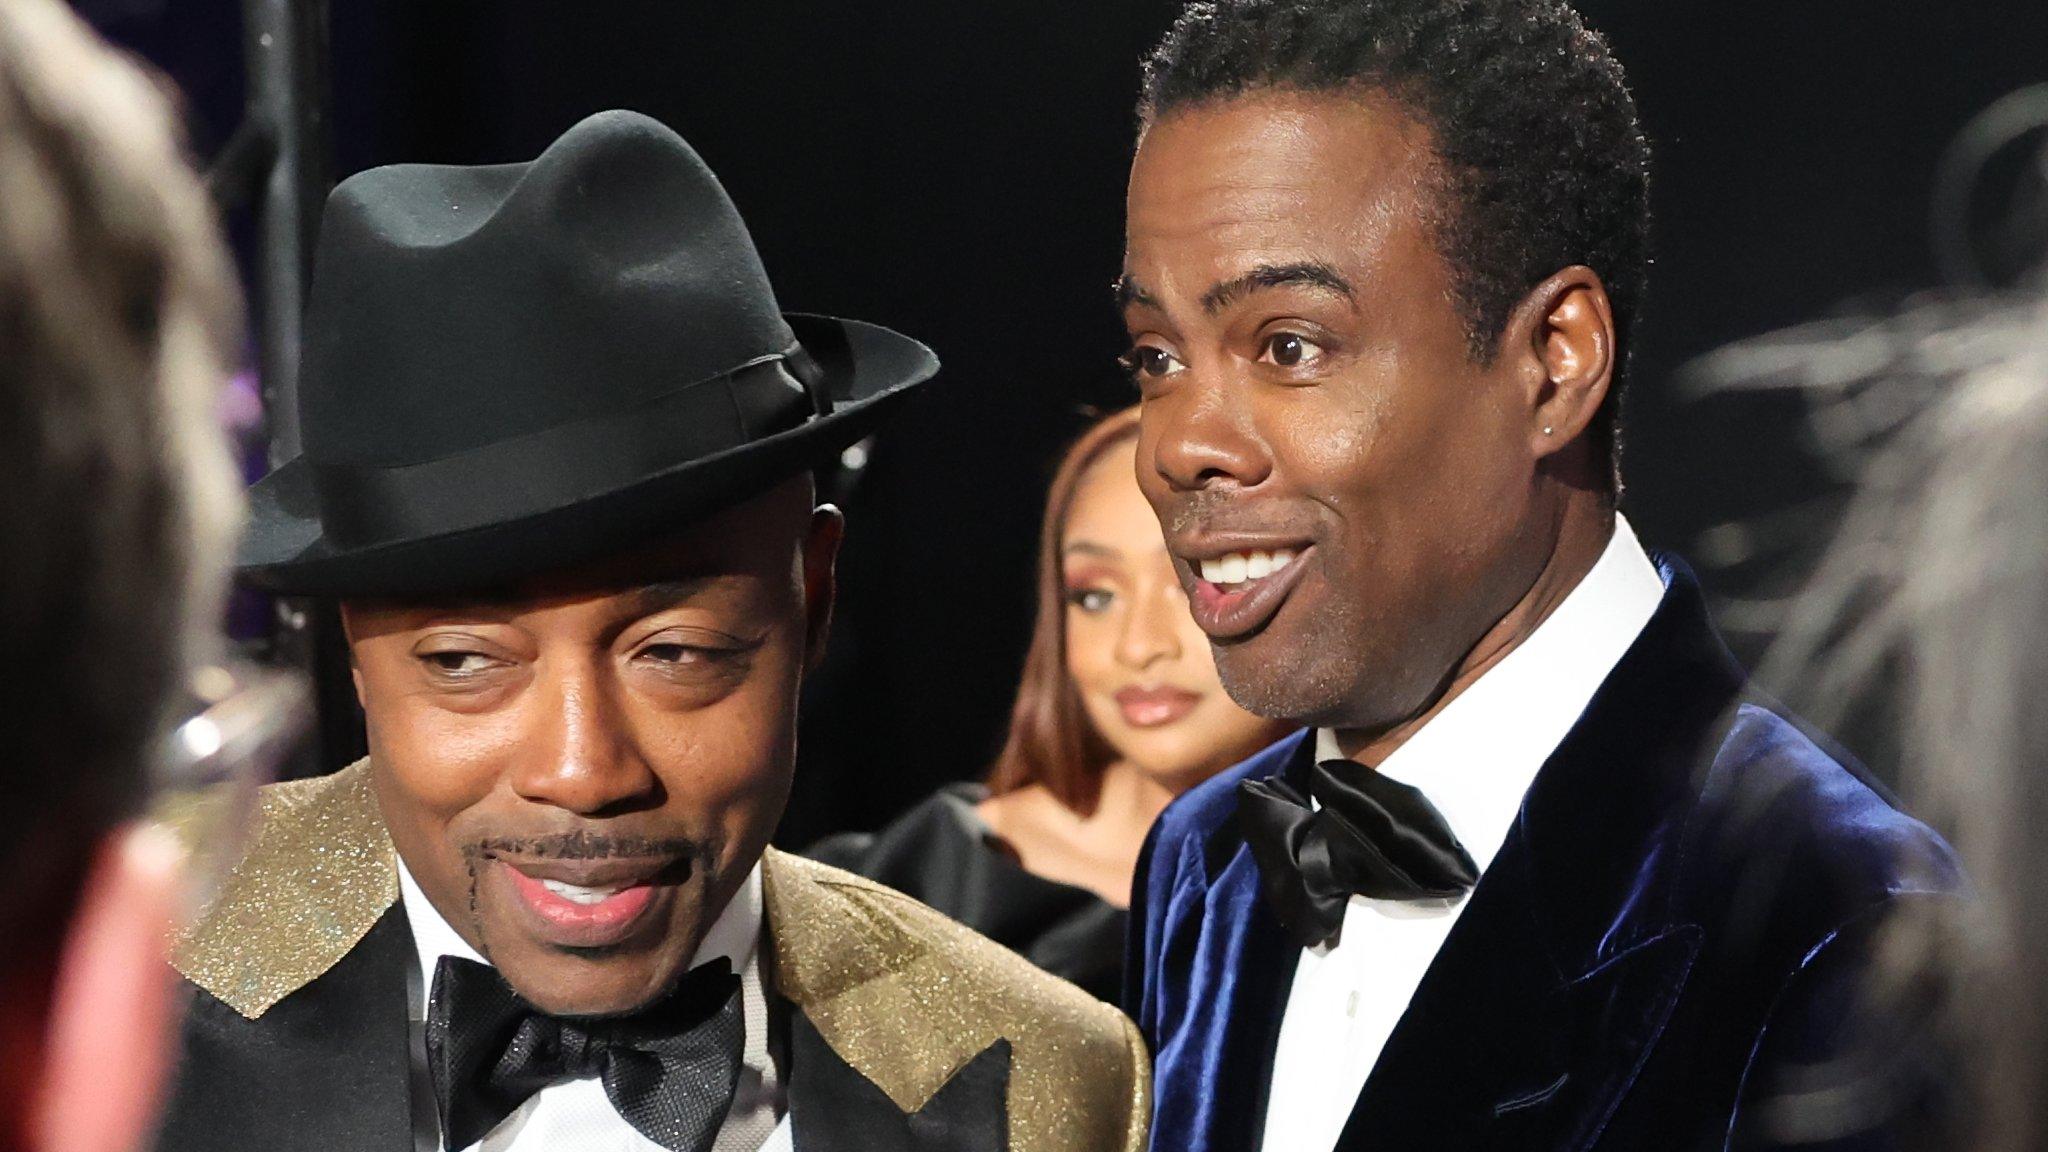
<point>1545,874</point>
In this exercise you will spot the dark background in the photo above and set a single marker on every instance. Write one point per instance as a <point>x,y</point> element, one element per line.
<point>955,170</point>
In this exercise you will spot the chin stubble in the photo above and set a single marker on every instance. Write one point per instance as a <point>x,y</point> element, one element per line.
<point>1303,683</point>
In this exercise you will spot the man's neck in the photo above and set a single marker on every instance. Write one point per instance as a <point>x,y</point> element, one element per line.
<point>1586,526</point>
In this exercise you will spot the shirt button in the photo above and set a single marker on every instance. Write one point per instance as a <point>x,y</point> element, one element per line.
<point>1351,1005</point>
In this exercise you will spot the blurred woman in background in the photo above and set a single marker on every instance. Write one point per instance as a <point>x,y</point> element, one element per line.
<point>1119,712</point>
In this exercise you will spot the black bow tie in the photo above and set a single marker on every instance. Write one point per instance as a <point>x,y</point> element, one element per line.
<point>669,1069</point>
<point>1373,836</point>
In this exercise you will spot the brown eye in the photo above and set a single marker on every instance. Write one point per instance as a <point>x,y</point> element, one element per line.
<point>674,654</point>
<point>1149,360</point>
<point>456,663</point>
<point>692,656</point>
<point>1289,350</point>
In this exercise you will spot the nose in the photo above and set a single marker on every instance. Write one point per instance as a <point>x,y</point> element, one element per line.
<point>1151,630</point>
<point>1201,437</point>
<point>580,755</point>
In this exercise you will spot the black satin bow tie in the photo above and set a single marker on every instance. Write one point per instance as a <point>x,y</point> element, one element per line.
<point>1373,836</point>
<point>669,1069</point>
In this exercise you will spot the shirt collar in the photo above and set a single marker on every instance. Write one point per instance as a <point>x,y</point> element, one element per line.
<point>734,936</point>
<point>1476,759</point>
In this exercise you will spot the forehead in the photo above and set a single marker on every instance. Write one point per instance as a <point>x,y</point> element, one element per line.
<point>749,548</point>
<point>1274,177</point>
<point>1109,510</point>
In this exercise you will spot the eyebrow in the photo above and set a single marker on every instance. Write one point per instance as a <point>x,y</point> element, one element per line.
<point>503,607</point>
<point>1312,274</point>
<point>1130,292</point>
<point>649,599</point>
<point>1087,549</point>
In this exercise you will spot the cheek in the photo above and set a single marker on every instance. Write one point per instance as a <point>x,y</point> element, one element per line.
<point>1196,657</point>
<point>1336,443</point>
<point>441,761</point>
<point>1091,649</point>
<point>734,755</point>
<point>1402,455</point>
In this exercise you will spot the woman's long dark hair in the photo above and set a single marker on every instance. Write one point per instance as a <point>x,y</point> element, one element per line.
<point>1051,741</point>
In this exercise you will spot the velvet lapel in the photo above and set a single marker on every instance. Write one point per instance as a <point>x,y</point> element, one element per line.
<point>1222,973</point>
<point>1560,975</point>
<point>326,1069</point>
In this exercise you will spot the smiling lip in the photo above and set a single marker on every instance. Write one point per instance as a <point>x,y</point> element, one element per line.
<point>585,903</point>
<point>1241,609</point>
<point>1155,707</point>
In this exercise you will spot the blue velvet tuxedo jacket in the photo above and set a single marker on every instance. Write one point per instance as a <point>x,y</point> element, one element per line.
<point>1675,930</point>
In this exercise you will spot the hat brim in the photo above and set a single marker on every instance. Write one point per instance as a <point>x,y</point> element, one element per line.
<point>868,369</point>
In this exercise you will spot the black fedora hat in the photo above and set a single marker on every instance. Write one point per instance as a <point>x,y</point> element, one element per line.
<point>512,369</point>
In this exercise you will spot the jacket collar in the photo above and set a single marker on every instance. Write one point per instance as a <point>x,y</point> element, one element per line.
<point>838,975</point>
<point>1558,979</point>
<point>1561,972</point>
<point>321,872</point>
<point>316,878</point>
<point>1598,820</point>
<point>1630,766</point>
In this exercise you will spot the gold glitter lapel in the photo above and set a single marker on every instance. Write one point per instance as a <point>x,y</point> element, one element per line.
<point>318,874</point>
<point>907,997</point>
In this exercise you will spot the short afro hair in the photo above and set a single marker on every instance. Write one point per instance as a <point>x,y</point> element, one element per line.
<point>1543,162</point>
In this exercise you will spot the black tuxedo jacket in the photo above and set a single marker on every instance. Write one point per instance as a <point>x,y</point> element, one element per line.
<point>907,1031</point>
<point>1668,952</point>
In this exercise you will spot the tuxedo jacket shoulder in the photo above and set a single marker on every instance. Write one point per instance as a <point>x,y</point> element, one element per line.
<point>1681,916</point>
<point>907,996</point>
<point>298,1037</point>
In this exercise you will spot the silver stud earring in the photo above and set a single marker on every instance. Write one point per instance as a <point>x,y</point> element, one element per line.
<point>1546,429</point>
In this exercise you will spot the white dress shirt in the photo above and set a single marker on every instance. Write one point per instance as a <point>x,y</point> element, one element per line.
<point>1474,760</point>
<point>576,1114</point>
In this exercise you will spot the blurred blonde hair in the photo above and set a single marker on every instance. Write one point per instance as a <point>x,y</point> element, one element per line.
<point>1931,604</point>
<point>117,499</point>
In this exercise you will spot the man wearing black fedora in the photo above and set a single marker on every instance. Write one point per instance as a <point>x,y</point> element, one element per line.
<point>557,442</point>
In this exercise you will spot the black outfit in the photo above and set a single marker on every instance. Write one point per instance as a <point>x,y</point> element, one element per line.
<point>905,1033</point>
<point>1671,943</point>
<point>508,371</point>
<point>942,853</point>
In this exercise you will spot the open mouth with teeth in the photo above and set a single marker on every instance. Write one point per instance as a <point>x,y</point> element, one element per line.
<point>578,894</point>
<point>1239,568</point>
<point>1237,593</point>
<point>575,904</point>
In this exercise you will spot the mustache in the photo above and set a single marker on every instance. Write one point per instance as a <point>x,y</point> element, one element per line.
<point>686,856</point>
<point>585,845</point>
<point>1214,512</point>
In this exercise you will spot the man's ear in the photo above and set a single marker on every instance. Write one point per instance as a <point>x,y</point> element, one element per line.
<point>821,586</point>
<point>1564,331</point>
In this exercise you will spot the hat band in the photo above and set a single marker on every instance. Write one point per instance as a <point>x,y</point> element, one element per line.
<point>558,467</point>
